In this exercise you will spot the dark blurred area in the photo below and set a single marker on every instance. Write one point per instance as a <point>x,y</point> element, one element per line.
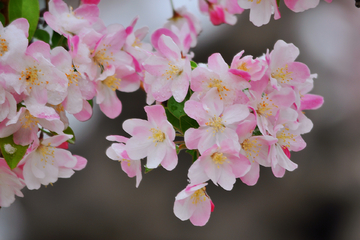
<point>318,201</point>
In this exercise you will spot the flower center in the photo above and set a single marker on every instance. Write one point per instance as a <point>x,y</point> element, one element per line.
<point>243,67</point>
<point>28,120</point>
<point>251,147</point>
<point>102,58</point>
<point>3,46</point>
<point>219,159</point>
<point>198,196</point>
<point>265,107</point>
<point>73,77</point>
<point>157,135</point>
<point>137,43</point>
<point>284,137</point>
<point>172,71</point>
<point>282,75</point>
<point>112,82</point>
<point>216,124</point>
<point>220,87</point>
<point>31,75</point>
<point>46,153</point>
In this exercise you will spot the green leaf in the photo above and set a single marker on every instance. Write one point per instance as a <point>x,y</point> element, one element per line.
<point>193,65</point>
<point>187,122</point>
<point>12,152</point>
<point>71,132</point>
<point>148,169</point>
<point>42,35</point>
<point>256,132</point>
<point>28,9</point>
<point>278,2</point>
<point>2,19</point>
<point>194,154</point>
<point>172,119</point>
<point>58,40</point>
<point>91,102</point>
<point>177,109</point>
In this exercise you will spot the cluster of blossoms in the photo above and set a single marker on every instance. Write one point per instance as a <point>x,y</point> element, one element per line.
<point>231,119</point>
<point>222,11</point>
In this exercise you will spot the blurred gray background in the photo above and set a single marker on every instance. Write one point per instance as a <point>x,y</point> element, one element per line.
<point>318,201</point>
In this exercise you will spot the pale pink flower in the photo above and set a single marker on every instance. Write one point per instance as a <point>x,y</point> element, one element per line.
<point>247,67</point>
<point>217,75</point>
<point>261,10</point>
<point>10,185</point>
<point>152,139</point>
<point>221,11</point>
<point>67,22</point>
<point>7,104</point>
<point>284,71</point>
<point>182,17</point>
<point>117,152</point>
<point>216,121</point>
<point>24,125</point>
<point>46,162</point>
<point>193,203</point>
<point>13,41</point>
<point>255,148</point>
<point>288,140</point>
<point>222,164</point>
<point>167,75</point>
<point>302,5</point>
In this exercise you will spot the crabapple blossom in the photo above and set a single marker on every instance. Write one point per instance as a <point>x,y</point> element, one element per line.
<point>217,75</point>
<point>217,122</point>
<point>193,203</point>
<point>183,17</point>
<point>284,70</point>
<point>247,67</point>
<point>46,162</point>
<point>220,163</point>
<point>117,152</point>
<point>10,185</point>
<point>167,75</point>
<point>302,5</point>
<point>24,125</point>
<point>67,22</point>
<point>255,148</point>
<point>152,139</point>
<point>221,11</point>
<point>261,10</point>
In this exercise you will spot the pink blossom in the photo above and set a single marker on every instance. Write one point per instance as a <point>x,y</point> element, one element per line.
<point>255,148</point>
<point>217,75</point>
<point>167,75</point>
<point>193,203</point>
<point>24,125</point>
<point>10,185</point>
<point>182,17</point>
<point>152,139</point>
<point>221,11</point>
<point>288,139</point>
<point>261,10</point>
<point>247,67</point>
<point>117,152</point>
<point>302,5</point>
<point>284,71</point>
<point>67,22</point>
<point>46,163</point>
<point>216,121</point>
<point>13,41</point>
<point>222,164</point>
